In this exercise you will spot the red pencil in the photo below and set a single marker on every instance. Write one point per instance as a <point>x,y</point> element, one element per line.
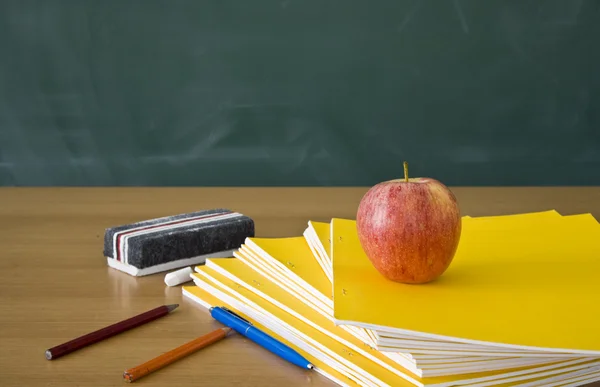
<point>111,330</point>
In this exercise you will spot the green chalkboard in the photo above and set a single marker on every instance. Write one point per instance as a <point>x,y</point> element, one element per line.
<point>299,92</point>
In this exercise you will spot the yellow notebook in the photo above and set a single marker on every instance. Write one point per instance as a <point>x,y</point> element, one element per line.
<point>255,262</point>
<point>293,258</point>
<point>317,237</point>
<point>322,231</point>
<point>300,276</point>
<point>524,281</point>
<point>207,300</point>
<point>267,252</point>
<point>241,274</point>
<point>320,348</point>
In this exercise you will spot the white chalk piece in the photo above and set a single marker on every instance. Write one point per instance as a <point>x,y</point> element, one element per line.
<point>178,277</point>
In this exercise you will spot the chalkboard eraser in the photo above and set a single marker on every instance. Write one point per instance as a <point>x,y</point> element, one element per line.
<point>172,242</point>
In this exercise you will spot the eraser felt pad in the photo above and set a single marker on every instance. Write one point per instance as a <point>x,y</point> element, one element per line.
<point>170,242</point>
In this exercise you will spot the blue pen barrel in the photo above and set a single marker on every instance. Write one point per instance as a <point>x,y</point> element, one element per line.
<point>246,329</point>
<point>227,319</point>
<point>277,347</point>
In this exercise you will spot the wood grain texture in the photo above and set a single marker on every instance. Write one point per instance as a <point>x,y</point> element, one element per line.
<point>55,285</point>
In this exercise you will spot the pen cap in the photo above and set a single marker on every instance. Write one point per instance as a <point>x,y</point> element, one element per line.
<point>229,319</point>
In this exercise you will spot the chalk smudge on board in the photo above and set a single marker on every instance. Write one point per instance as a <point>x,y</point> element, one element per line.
<point>461,16</point>
<point>409,15</point>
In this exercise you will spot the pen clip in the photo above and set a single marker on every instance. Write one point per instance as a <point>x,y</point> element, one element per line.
<point>236,315</point>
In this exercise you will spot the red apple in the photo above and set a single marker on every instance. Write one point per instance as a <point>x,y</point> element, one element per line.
<point>409,228</point>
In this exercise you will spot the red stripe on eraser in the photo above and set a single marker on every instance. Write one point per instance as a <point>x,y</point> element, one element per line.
<point>174,222</point>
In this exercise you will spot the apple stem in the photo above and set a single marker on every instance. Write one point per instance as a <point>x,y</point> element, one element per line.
<point>406,171</point>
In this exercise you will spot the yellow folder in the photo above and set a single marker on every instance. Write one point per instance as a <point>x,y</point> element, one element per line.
<point>527,281</point>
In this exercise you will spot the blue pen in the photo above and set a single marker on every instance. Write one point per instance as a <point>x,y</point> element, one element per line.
<point>245,328</point>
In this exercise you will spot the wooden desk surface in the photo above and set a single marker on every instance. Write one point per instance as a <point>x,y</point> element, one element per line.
<point>55,285</point>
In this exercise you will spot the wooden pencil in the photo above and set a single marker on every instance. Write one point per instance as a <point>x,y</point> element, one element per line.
<point>106,332</point>
<point>173,355</point>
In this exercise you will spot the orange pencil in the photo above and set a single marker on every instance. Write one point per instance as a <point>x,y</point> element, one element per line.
<point>135,373</point>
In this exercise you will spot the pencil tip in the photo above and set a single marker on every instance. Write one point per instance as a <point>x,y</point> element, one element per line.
<point>172,307</point>
<point>127,376</point>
